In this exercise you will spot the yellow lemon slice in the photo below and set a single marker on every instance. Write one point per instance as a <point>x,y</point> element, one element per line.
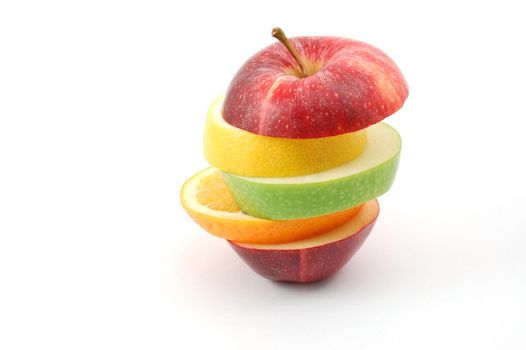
<point>240,152</point>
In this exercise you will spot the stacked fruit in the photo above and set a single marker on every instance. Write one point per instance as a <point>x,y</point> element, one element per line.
<point>299,155</point>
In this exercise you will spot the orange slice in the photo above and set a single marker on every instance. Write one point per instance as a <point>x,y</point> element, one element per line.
<point>206,198</point>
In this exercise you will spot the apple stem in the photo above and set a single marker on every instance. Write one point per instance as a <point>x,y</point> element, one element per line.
<point>279,34</point>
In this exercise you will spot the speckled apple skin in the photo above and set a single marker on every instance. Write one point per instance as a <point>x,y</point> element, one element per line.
<point>294,201</point>
<point>357,85</point>
<point>304,265</point>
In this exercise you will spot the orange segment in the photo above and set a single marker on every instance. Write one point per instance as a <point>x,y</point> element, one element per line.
<point>212,193</point>
<point>206,198</point>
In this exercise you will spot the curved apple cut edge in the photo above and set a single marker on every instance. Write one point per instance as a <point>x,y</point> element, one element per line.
<point>369,213</point>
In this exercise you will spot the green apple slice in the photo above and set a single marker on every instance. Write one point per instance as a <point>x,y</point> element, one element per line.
<point>283,198</point>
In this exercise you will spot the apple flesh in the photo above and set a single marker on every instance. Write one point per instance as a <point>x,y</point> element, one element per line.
<point>314,258</point>
<point>367,177</point>
<point>350,85</point>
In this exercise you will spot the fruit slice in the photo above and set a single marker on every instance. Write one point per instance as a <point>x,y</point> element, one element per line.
<point>243,153</point>
<point>314,258</point>
<point>349,86</point>
<point>206,198</point>
<point>365,178</point>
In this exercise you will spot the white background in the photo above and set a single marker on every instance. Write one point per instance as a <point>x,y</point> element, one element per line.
<point>102,105</point>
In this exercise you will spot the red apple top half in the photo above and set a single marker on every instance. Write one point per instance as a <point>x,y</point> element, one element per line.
<point>311,87</point>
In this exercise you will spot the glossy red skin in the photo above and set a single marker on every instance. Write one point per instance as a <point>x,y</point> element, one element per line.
<point>304,265</point>
<point>357,86</point>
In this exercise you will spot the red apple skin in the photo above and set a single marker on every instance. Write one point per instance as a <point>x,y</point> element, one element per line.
<point>357,85</point>
<point>304,265</point>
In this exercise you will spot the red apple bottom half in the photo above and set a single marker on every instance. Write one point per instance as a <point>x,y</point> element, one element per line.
<point>314,258</point>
